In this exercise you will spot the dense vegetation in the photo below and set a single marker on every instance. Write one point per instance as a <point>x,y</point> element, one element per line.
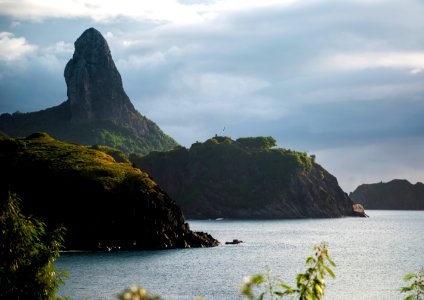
<point>27,252</point>
<point>56,121</point>
<point>220,163</point>
<point>102,203</point>
<point>245,178</point>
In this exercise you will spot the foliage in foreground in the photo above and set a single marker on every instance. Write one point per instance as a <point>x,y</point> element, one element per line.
<point>309,285</point>
<point>415,289</point>
<point>27,252</point>
<point>138,293</point>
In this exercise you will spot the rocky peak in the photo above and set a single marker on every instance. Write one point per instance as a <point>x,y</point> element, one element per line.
<point>95,90</point>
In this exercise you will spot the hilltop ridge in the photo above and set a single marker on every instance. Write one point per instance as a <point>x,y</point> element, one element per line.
<point>246,178</point>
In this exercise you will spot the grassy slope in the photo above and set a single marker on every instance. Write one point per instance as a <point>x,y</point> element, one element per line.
<point>97,199</point>
<point>56,122</point>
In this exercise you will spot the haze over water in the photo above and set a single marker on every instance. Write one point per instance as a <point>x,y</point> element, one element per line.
<point>372,256</point>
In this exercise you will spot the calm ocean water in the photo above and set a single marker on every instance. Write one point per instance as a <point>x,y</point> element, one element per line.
<point>372,256</point>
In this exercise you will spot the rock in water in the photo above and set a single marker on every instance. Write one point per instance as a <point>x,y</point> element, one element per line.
<point>98,111</point>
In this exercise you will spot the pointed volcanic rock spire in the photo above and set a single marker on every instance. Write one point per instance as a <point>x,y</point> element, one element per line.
<point>95,90</point>
<point>97,111</point>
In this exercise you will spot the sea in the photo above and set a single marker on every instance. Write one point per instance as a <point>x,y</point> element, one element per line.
<point>372,256</point>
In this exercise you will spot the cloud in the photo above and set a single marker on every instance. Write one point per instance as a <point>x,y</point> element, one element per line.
<point>13,48</point>
<point>101,11</point>
<point>358,61</point>
<point>15,24</point>
<point>151,59</point>
<point>208,102</point>
<point>60,48</point>
<point>317,75</point>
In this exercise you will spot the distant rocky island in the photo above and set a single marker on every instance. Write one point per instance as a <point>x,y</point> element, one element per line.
<point>98,111</point>
<point>247,178</point>
<point>397,194</point>
<point>103,204</point>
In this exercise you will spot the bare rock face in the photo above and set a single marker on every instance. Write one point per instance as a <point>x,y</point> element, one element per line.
<point>95,88</point>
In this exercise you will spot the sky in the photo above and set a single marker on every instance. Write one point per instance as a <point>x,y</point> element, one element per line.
<point>343,80</point>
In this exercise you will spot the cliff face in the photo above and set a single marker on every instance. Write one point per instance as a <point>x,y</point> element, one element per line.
<point>95,90</point>
<point>222,178</point>
<point>98,111</point>
<point>102,203</point>
<point>396,194</point>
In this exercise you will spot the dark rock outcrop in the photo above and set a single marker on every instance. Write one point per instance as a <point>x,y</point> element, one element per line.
<point>98,111</point>
<point>104,205</point>
<point>358,209</point>
<point>222,178</point>
<point>234,242</point>
<point>95,90</point>
<point>396,195</point>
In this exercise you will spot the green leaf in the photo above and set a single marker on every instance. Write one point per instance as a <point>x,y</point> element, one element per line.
<point>330,261</point>
<point>258,279</point>
<point>409,276</point>
<point>411,297</point>
<point>311,260</point>
<point>330,272</point>
<point>245,290</point>
<point>286,287</point>
<point>405,289</point>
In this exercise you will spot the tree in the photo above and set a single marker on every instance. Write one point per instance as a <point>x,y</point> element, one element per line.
<point>259,142</point>
<point>27,252</point>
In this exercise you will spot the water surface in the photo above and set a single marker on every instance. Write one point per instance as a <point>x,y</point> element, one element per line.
<point>372,256</point>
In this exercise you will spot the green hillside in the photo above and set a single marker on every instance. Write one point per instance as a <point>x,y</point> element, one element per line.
<point>245,178</point>
<point>100,202</point>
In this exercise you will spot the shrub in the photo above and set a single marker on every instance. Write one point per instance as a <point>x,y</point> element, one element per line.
<point>27,252</point>
<point>260,142</point>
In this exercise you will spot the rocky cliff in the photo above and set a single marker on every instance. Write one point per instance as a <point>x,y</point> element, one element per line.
<point>397,195</point>
<point>98,111</point>
<point>246,178</point>
<point>102,203</point>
